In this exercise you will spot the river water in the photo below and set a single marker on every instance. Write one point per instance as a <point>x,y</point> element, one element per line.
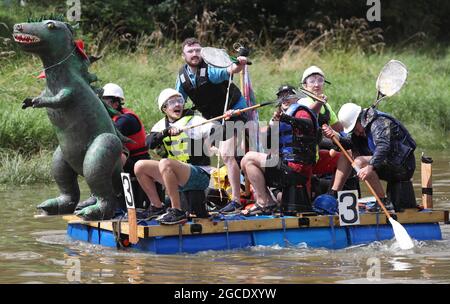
<point>38,251</point>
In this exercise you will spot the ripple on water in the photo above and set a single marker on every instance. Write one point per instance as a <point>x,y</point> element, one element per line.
<point>41,274</point>
<point>21,255</point>
<point>52,237</point>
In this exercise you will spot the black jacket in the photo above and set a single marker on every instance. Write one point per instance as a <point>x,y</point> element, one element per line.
<point>392,142</point>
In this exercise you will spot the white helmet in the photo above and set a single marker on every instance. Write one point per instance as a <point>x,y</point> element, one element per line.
<point>348,115</point>
<point>310,71</point>
<point>165,95</point>
<point>112,89</point>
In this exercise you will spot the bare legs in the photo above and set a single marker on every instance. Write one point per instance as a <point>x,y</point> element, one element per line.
<point>344,169</point>
<point>171,173</point>
<point>253,166</point>
<point>227,152</point>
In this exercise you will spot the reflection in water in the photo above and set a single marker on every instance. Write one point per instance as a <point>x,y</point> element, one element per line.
<point>38,251</point>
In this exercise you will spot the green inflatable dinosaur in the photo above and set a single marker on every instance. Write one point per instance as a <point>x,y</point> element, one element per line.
<point>88,142</point>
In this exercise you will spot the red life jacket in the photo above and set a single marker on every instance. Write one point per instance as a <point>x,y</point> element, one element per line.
<point>139,147</point>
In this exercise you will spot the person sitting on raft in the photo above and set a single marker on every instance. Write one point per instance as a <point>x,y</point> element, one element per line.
<point>131,126</point>
<point>382,147</point>
<point>298,139</point>
<point>186,168</point>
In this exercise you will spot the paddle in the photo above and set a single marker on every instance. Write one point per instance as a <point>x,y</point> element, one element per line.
<point>218,57</point>
<point>401,235</point>
<point>390,80</point>
<point>312,95</point>
<point>235,112</point>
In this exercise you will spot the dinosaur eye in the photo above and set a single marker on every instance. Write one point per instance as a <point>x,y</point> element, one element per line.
<point>51,25</point>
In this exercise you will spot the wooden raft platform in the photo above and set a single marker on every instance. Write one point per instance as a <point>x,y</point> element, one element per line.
<point>208,226</point>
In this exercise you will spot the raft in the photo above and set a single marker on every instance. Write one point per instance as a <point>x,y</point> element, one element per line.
<point>238,232</point>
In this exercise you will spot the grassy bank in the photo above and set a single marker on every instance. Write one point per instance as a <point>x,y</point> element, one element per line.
<point>423,104</point>
<point>17,168</point>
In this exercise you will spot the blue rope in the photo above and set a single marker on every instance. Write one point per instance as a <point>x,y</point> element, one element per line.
<point>377,217</point>
<point>225,227</point>
<point>333,232</point>
<point>180,238</point>
<point>283,223</point>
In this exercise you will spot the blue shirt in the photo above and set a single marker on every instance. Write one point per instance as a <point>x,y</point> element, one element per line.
<point>215,75</point>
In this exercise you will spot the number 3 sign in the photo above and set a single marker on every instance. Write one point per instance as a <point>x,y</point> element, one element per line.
<point>348,208</point>
<point>128,190</point>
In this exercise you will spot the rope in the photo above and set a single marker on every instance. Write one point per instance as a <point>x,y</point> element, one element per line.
<point>227,97</point>
<point>333,232</point>
<point>52,66</point>
<point>283,224</point>
<point>225,227</point>
<point>98,231</point>
<point>377,217</point>
<point>180,238</point>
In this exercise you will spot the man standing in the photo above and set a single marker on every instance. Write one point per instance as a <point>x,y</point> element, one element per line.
<point>207,87</point>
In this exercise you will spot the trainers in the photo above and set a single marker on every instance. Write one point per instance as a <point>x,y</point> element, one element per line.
<point>153,212</point>
<point>376,207</point>
<point>260,210</point>
<point>232,206</point>
<point>173,216</point>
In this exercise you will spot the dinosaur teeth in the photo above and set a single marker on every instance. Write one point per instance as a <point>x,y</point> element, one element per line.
<point>25,38</point>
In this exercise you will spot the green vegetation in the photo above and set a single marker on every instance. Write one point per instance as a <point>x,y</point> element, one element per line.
<point>350,51</point>
<point>17,168</point>
<point>423,104</point>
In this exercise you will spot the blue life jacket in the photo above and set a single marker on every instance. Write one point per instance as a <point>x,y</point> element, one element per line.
<point>299,148</point>
<point>402,144</point>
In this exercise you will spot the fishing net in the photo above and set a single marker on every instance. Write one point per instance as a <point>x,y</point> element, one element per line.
<point>216,57</point>
<point>391,78</point>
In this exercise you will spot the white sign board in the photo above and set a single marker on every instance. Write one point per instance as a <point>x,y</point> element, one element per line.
<point>348,207</point>
<point>128,190</point>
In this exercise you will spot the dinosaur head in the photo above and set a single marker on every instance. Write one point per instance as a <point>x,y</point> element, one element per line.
<point>49,39</point>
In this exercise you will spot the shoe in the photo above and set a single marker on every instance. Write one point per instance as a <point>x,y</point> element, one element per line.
<point>376,207</point>
<point>173,216</point>
<point>260,210</point>
<point>152,212</point>
<point>232,206</point>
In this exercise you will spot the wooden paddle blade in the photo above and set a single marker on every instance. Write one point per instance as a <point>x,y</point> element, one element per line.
<point>401,235</point>
<point>132,226</point>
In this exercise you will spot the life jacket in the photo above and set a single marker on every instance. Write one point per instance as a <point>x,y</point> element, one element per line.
<point>180,147</point>
<point>139,147</point>
<point>208,98</point>
<point>402,143</point>
<point>324,118</point>
<point>302,147</point>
